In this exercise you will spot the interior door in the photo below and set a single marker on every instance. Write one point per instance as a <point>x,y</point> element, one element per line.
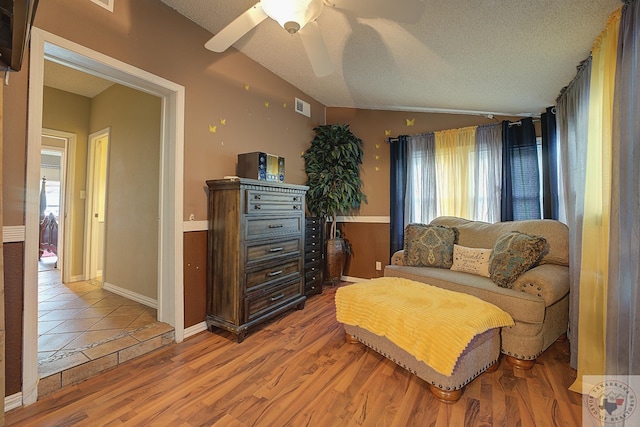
<point>97,189</point>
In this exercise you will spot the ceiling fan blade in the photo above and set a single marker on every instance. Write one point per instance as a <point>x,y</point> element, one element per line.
<point>316,49</point>
<point>407,11</point>
<point>236,29</point>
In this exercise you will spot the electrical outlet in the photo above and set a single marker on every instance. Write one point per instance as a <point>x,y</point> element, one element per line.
<point>378,265</point>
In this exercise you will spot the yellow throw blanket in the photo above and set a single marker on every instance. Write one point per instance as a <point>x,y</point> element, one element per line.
<point>435,325</point>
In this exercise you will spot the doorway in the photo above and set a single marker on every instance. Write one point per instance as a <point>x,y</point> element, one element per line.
<point>170,246</point>
<point>51,211</point>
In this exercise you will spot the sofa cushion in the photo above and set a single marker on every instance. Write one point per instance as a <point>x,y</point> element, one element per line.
<point>513,254</point>
<point>429,245</point>
<point>478,234</point>
<point>471,260</point>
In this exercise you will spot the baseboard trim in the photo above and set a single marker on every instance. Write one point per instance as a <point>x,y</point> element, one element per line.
<point>353,279</point>
<point>195,329</point>
<point>149,302</point>
<point>12,402</point>
<point>79,278</point>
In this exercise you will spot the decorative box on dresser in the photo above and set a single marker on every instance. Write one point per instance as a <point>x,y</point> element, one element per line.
<point>255,252</point>
<point>313,256</point>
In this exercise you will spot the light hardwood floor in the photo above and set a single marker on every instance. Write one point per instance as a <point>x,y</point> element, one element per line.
<point>298,370</point>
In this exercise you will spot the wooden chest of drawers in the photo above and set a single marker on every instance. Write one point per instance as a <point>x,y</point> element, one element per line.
<point>255,252</point>
<point>313,256</point>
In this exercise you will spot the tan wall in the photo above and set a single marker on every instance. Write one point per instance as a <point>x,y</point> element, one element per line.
<point>370,241</point>
<point>14,158</point>
<point>151,36</point>
<point>68,112</point>
<point>131,225</point>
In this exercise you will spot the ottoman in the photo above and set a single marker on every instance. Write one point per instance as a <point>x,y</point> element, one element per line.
<point>445,338</point>
<point>480,356</point>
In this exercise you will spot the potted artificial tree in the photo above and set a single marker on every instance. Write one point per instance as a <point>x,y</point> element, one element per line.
<point>332,165</point>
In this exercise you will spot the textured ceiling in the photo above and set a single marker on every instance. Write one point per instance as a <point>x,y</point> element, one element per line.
<point>485,56</point>
<point>64,78</point>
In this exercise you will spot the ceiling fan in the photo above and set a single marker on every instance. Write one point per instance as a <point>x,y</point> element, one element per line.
<point>295,16</point>
<point>299,17</point>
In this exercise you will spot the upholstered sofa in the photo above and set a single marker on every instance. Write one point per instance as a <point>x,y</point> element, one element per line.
<point>538,299</point>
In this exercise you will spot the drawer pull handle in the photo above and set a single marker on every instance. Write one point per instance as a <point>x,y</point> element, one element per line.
<point>257,197</point>
<point>296,199</point>
<point>275,225</point>
<point>274,273</point>
<point>295,207</point>
<point>276,249</point>
<point>257,207</point>
<point>277,297</point>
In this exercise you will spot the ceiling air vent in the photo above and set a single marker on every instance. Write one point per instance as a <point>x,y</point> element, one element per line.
<point>303,107</point>
<point>107,4</point>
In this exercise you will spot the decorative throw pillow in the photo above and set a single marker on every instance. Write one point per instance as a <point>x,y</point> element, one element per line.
<point>429,245</point>
<point>513,254</point>
<point>471,260</point>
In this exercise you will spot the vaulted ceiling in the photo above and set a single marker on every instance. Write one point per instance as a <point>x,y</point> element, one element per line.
<point>485,56</point>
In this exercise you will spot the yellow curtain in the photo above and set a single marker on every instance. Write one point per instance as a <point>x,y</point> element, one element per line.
<point>597,207</point>
<point>455,171</point>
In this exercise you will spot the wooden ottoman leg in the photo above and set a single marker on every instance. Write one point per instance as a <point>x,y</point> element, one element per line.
<point>350,338</point>
<point>493,367</point>
<point>524,365</point>
<point>445,396</point>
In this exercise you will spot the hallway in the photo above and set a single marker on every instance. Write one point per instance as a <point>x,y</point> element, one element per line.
<point>80,323</point>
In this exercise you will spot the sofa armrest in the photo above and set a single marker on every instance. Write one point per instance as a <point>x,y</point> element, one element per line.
<point>398,258</point>
<point>547,281</point>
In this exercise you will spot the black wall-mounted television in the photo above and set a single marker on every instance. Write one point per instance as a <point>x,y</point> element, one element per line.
<point>16,19</point>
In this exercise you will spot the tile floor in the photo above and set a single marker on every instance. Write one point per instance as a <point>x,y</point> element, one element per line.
<point>79,322</point>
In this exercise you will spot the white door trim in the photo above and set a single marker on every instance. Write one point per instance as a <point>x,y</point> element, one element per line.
<point>170,253</point>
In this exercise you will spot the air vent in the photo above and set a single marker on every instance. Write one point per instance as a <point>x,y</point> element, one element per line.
<point>303,107</point>
<point>107,4</point>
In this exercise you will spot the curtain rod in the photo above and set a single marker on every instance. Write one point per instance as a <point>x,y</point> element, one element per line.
<point>519,122</point>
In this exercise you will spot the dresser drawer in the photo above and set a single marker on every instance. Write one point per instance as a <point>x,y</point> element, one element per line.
<point>313,231</point>
<point>263,201</point>
<point>312,254</point>
<point>265,300</point>
<point>275,272</point>
<point>273,250</point>
<point>313,266</point>
<point>313,284</point>
<point>273,226</point>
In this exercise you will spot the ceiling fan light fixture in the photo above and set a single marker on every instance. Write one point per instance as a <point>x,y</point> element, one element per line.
<point>292,15</point>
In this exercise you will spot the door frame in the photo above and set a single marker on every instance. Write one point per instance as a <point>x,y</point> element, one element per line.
<point>65,248</point>
<point>170,251</point>
<point>90,260</point>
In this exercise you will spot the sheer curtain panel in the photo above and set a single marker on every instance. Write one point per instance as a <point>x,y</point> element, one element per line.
<point>623,294</point>
<point>572,122</point>
<point>421,205</point>
<point>488,173</point>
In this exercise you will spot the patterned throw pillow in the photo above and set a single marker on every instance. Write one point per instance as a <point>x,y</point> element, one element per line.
<point>429,245</point>
<point>471,260</point>
<point>513,254</point>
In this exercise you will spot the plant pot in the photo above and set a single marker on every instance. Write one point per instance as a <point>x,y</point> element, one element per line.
<point>336,255</point>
